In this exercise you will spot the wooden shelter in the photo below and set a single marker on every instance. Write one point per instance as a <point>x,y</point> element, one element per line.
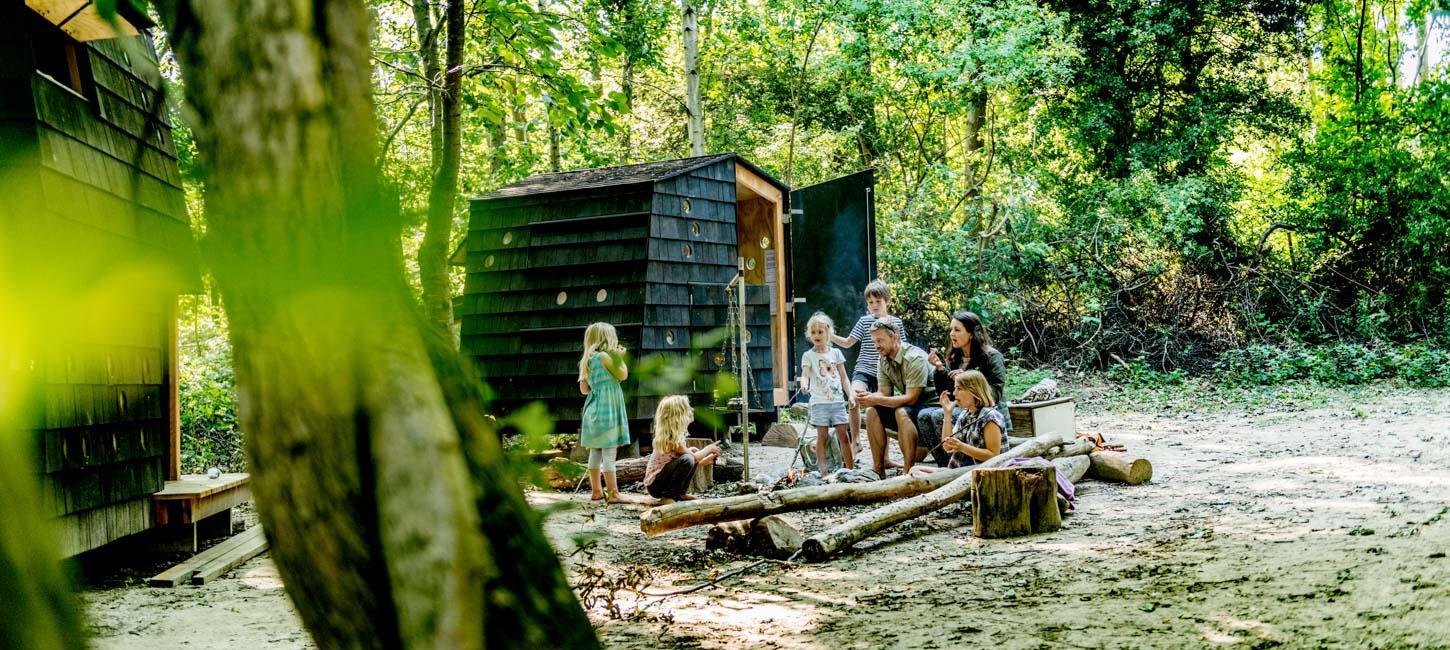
<point>95,215</point>
<point>649,248</point>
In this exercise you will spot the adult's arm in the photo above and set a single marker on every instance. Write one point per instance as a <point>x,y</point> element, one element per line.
<point>996,375</point>
<point>909,396</point>
<point>583,387</point>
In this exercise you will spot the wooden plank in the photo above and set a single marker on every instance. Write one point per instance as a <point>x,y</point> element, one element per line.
<point>254,544</point>
<point>182,573</point>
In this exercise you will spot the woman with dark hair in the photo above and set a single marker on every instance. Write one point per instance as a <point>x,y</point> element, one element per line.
<point>971,349</point>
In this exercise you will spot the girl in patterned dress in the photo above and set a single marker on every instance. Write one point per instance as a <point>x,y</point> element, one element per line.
<point>605,422</point>
<point>977,432</point>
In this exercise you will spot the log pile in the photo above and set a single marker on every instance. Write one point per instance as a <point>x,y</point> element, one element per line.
<point>908,497</point>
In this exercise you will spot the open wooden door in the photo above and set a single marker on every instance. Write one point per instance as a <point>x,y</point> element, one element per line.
<point>833,254</point>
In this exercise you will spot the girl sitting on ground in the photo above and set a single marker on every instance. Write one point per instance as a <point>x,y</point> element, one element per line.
<point>672,464</point>
<point>977,425</point>
<point>605,421</point>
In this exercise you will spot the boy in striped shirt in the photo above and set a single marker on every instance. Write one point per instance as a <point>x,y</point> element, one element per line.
<point>863,376</point>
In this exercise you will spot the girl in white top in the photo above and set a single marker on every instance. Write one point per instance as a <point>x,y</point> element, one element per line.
<point>823,376</point>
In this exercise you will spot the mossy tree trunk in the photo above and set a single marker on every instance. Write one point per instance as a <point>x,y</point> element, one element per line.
<point>392,518</point>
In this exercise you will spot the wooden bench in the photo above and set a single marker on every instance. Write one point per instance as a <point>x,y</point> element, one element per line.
<point>195,497</point>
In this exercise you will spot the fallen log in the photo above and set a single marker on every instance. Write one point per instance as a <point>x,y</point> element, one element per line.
<point>1079,447</point>
<point>1120,468</point>
<point>560,477</point>
<point>823,545</point>
<point>1073,468</point>
<point>683,514</point>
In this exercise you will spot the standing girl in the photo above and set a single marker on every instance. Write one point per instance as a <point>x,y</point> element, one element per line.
<point>672,464</point>
<point>605,425</point>
<point>823,375</point>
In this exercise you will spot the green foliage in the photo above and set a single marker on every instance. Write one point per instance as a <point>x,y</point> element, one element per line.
<point>1343,364</point>
<point>207,386</point>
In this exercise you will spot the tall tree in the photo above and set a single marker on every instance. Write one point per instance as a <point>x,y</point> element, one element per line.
<point>695,120</point>
<point>392,518</point>
<point>444,98</point>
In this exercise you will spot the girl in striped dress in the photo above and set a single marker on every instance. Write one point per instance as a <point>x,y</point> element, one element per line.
<point>605,422</point>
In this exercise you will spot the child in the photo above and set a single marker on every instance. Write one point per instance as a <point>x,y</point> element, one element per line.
<point>978,428</point>
<point>605,422</point>
<point>672,465</point>
<point>823,376</point>
<point>863,376</point>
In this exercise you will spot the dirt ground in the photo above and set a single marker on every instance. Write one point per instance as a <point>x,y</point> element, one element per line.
<point>1295,517</point>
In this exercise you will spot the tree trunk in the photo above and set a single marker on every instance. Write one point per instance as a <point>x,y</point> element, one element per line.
<point>627,128</point>
<point>391,515</point>
<point>823,545</point>
<point>695,121</point>
<point>443,192</point>
<point>1120,468</point>
<point>555,157</point>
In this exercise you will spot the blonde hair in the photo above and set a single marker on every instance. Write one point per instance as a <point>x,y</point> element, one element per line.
<point>672,420</point>
<point>975,383</point>
<point>878,289</point>
<point>600,337</point>
<point>821,319</point>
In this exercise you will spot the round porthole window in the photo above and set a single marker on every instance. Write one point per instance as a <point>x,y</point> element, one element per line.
<point>695,229</point>
<point>765,242</point>
<point>670,337</point>
<point>685,205</point>
<point>508,238</point>
<point>599,297</point>
<point>561,298</point>
<point>488,261</point>
<point>750,264</point>
<point>689,250</point>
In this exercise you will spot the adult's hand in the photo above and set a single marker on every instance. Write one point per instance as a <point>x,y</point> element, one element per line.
<point>933,359</point>
<point>953,445</point>
<point>954,373</point>
<point>868,399</point>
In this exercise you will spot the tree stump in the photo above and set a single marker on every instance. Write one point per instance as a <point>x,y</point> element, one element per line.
<point>772,537</point>
<point>704,477</point>
<point>1014,501</point>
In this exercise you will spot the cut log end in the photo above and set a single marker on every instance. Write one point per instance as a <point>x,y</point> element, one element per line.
<point>1120,468</point>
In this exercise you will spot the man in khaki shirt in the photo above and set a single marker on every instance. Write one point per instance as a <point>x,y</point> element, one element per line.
<point>904,388</point>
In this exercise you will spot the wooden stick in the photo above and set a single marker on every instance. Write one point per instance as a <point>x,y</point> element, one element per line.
<point>1120,468</point>
<point>823,545</point>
